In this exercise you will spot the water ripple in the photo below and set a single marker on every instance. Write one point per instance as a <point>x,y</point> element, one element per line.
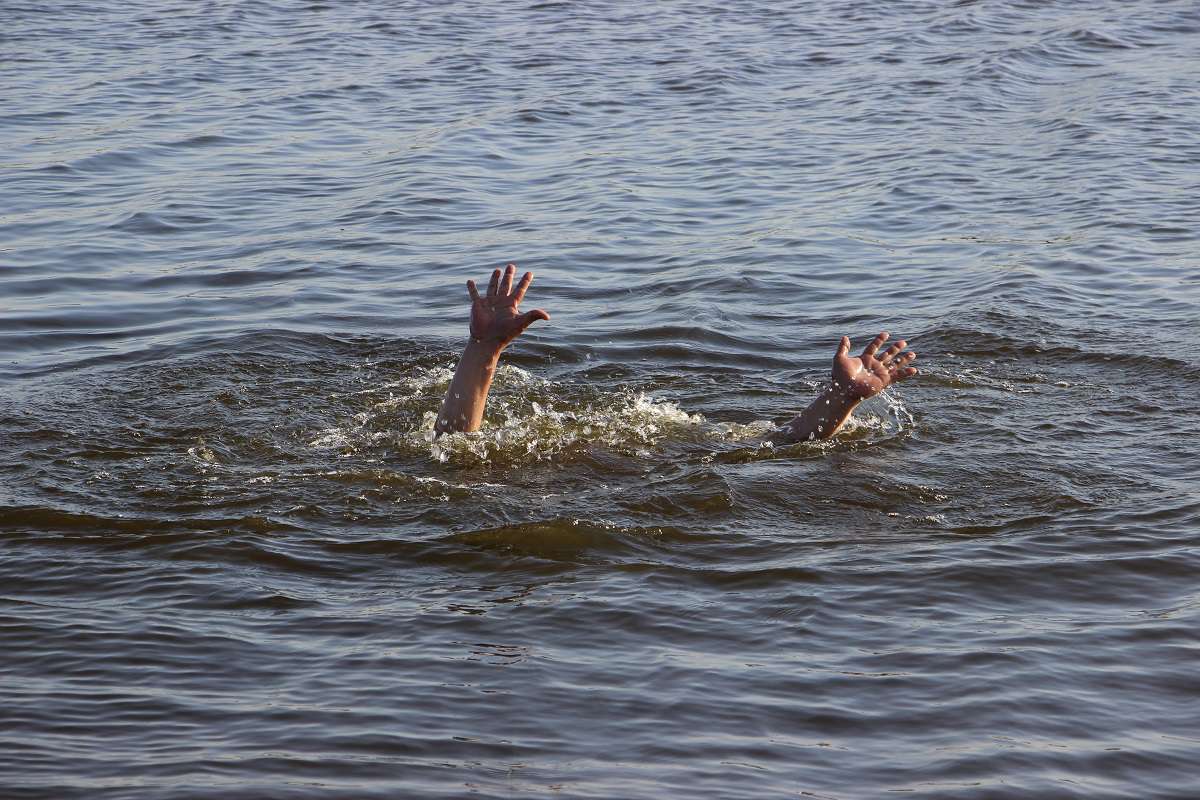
<point>233,246</point>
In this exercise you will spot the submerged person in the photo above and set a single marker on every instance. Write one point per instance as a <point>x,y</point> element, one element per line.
<point>496,321</point>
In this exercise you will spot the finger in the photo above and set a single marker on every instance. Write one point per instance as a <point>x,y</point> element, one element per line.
<point>903,361</point>
<point>844,346</point>
<point>905,374</point>
<point>893,351</point>
<point>506,284</point>
<point>522,287</point>
<point>474,292</point>
<point>530,317</point>
<point>876,343</point>
<point>494,283</point>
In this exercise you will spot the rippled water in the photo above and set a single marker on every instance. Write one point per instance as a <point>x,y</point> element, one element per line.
<point>233,245</point>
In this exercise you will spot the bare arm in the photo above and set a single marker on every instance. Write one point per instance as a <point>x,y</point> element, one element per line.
<point>495,323</point>
<point>854,380</point>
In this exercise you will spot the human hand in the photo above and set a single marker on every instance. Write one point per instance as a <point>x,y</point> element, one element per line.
<point>867,376</point>
<point>495,318</point>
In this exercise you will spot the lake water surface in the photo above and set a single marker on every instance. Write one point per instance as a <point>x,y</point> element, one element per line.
<point>234,239</point>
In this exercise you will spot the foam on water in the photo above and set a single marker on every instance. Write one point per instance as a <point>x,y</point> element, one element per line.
<point>528,419</point>
<point>628,423</point>
<point>533,419</point>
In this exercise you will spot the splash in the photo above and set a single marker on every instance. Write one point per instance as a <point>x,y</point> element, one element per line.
<point>528,419</point>
<point>625,422</point>
<point>896,416</point>
<point>531,419</point>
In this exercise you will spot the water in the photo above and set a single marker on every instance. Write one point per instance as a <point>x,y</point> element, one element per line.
<point>233,245</point>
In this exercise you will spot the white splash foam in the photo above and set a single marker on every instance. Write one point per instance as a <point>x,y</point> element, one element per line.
<point>518,431</point>
<point>533,419</point>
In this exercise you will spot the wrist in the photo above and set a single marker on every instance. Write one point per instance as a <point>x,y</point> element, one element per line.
<point>841,395</point>
<point>483,349</point>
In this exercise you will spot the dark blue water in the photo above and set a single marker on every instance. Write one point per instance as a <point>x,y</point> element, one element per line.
<point>234,239</point>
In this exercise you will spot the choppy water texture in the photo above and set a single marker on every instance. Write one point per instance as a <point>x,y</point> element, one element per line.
<point>233,245</point>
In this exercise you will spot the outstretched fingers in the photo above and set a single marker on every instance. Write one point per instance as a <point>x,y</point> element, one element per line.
<point>900,369</point>
<point>494,283</point>
<point>872,348</point>
<point>506,283</point>
<point>893,351</point>
<point>472,290</point>
<point>844,347</point>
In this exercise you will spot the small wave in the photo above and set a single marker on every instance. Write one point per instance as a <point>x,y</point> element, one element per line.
<point>568,539</point>
<point>266,602</point>
<point>75,526</point>
<point>203,140</point>
<point>1046,343</point>
<point>145,223</point>
<point>1098,40</point>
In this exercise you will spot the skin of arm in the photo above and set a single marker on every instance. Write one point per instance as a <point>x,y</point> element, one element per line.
<point>854,380</point>
<point>495,323</point>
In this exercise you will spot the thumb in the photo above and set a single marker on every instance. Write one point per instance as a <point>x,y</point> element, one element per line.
<point>530,317</point>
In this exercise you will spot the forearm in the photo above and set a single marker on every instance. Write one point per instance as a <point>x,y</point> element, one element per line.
<point>824,417</point>
<point>462,410</point>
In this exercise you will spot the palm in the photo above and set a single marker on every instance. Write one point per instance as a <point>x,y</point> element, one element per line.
<point>496,316</point>
<point>867,375</point>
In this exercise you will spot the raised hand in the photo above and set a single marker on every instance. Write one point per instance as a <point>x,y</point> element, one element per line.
<point>496,320</point>
<point>854,380</point>
<point>868,374</point>
<point>495,317</point>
